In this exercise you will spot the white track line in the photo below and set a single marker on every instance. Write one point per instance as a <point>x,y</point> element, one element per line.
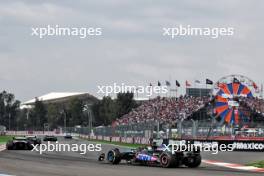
<point>217,163</point>
<point>234,166</point>
<point>2,148</point>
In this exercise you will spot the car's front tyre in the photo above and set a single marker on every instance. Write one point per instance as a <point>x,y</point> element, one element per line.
<point>193,161</point>
<point>114,156</point>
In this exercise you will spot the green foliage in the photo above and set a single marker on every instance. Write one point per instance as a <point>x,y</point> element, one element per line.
<point>75,113</point>
<point>104,112</point>
<point>125,103</point>
<point>259,164</point>
<point>107,110</point>
<point>9,108</point>
<point>22,121</point>
<point>38,116</point>
<point>54,114</point>
<point>4,139</point>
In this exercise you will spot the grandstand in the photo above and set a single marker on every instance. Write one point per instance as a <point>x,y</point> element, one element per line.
<point>165,110</point>
<point>168,110</point>
<point>231,108</point>
<point>60,98</point>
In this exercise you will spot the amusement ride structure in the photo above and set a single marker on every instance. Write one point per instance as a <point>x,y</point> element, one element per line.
<point>229,92</point>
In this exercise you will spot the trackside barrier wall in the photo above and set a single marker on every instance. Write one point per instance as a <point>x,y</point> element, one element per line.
<point>131,140</point>
<point>238,145</point>
<point>24,133</point>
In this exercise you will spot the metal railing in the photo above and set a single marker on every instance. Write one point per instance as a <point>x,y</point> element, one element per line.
<point>179,129</point>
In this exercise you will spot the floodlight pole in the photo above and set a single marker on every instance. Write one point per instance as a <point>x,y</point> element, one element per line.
<point>158,129</point>
<point>193,128</point>
<point>65,122</point>
<point>9,119</point>
<point>87,109</point>
<point>90,120</point>
<point>64,114</point>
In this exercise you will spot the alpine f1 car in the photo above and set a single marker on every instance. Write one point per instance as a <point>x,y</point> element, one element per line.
<point>19,143</point>
<point>153,156</point>
<point>34,139</point>
<point>50,138</point>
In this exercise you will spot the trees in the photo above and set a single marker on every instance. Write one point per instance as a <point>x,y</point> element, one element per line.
<point>9,108</point>
<point>107,110</point>
<point>54,114</point>
<point>125,103</point>
<point>104,112</point>
<point>22,121</point>
<point>75,113</point>
<point>38,115</point>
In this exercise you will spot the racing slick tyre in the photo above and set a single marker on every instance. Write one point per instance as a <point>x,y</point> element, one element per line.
<point>114,156</point>
<point>168,160</point>
<point>193,161</point>
<point>9,147</point>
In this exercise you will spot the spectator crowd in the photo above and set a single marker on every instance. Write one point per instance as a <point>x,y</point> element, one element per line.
<point>171,109</point>
<point>255,104</point>
<point>164,110</point>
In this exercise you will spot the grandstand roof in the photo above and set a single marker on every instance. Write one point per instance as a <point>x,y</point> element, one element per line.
<point>56,96</point>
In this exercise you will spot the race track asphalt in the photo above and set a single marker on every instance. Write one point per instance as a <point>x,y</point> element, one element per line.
<point>28,163</point>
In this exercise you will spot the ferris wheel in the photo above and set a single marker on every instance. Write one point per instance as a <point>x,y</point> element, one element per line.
<point>228,92</point>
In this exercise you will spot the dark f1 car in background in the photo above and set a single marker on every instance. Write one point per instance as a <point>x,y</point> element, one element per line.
<point>153,156</point>
<point>68,136</point>
<point>19,143</point>
<point>34,139</point>
<point>50,138</point>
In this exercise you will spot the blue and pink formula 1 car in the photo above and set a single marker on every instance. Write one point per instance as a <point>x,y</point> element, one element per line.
<point>153,156</point>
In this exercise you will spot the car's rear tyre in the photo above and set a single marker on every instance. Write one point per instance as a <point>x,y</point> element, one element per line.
<point>193,161</point>
<point>9,147</point>
<point>168,160</point>
<point>29,146</point>
<point>114,156</point>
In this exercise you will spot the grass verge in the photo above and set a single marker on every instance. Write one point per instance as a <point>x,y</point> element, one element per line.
<point>259,164</point>
<point>121,144</point>
<point>4,139</point>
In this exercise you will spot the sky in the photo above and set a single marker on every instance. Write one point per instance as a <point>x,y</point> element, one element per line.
<point>131,50</point>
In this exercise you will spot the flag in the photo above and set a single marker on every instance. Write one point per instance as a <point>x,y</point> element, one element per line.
<point>197,81</point>
<point>235,80</point>
<point>255,86</point>
<point>167,83</point>
<point>208,81</point>
<point>220,85</point>
<point>187,84</point>
<point>159,84</point>
<point>177,84</point>
<point>261,91</point>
